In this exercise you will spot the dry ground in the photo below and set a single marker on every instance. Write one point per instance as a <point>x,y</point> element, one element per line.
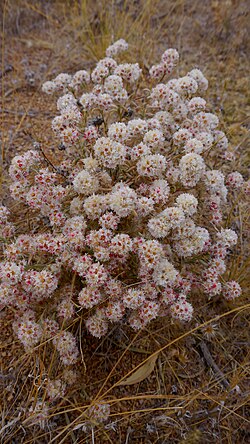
<point>198,391</point>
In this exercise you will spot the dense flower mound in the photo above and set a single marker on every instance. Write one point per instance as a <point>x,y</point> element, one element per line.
<point>133,220</point>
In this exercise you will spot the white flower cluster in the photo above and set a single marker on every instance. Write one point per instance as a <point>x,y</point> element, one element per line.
<point>135,212</point>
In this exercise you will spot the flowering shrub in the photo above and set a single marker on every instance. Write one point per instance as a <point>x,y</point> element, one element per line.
<point>135,213</point>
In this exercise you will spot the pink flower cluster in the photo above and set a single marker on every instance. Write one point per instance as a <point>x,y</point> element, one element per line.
<point>135,213</point>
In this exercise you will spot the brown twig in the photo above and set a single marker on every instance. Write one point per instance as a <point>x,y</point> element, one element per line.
<point>210,361</point>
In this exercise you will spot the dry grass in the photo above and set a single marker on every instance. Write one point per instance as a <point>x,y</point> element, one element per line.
<point>194,394</point>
